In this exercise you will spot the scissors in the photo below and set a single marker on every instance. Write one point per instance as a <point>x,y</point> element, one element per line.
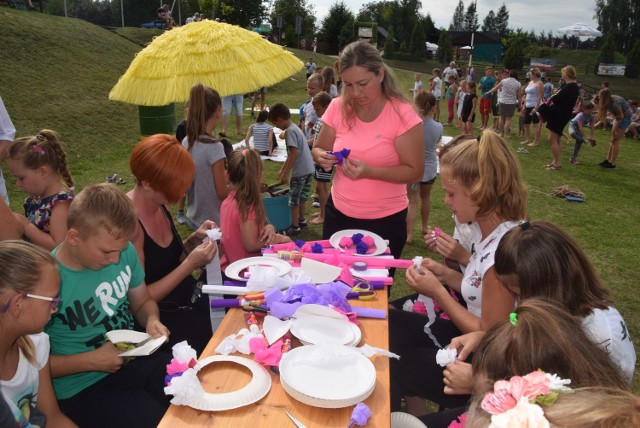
<point>295,421</point>
<point>363,289</point>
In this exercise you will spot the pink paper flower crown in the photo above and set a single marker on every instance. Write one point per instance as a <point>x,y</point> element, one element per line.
<point>517,402</point>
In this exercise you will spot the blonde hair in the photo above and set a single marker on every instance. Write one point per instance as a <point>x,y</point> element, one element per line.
<point>365,55</point>
<point>103,206</point>
<point>569,71</point>
<point>595,407</point>
<point>492,173</point>
<point>42,149</point>
<point>604,103</point>
<point>22,266</point>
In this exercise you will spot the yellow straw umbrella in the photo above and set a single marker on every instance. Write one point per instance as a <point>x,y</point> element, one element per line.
<point>228,58</point>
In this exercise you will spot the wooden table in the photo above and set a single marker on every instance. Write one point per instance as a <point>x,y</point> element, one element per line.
<point>270,411</point>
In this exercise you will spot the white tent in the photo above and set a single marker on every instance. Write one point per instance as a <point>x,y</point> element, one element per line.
<point>431,47</point>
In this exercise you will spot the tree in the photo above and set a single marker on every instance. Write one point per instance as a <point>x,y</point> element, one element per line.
<point>502,21</point>
<point>607,53</point>
<point>389,44</point>
<point>429,26</point>
<point>347,34</point>
<point>331,29</point>
<point>244,13</point>
<point>489,23</point>
<point>288,10</point>
<point>457,22</point>
<point>633,61</point>
<point>445,49</point>
<point>620,18</point>
<point>418,42</point>
<point>516,45</point>
<point>471,18</point>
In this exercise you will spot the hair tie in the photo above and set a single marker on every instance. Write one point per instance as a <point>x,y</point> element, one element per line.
<point>244,152</point>
<point>525,225</point>
<point>513,318</point>
<point>39,150</point>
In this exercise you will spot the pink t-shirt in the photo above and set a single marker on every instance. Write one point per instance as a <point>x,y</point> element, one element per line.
<point>374,144</point>
<point>231,236</point>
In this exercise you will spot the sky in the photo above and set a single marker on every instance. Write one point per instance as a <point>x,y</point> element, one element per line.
<point>537,15</point>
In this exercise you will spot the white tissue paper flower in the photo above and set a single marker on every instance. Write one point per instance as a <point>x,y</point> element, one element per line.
<point>214,234</point>
<point>408,305</point>
<point>183,352</point>
<point>446,356</point>
<point>417,261</point>
<point>556,383</point>
<point>185,388</point>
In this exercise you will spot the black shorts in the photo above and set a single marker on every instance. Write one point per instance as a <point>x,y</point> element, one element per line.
<point>530,118</point>
<point>322,176</point>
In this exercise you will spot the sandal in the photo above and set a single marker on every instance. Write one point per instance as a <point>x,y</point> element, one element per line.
<point>111,178</point>
<point>552,167</point>
<point>120,181</point>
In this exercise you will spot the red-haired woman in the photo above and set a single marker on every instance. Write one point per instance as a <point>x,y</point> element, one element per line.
<point>163,170</point>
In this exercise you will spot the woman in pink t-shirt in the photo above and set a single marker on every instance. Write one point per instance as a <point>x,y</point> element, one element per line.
<point>242,215</point>
<point>373,120</point>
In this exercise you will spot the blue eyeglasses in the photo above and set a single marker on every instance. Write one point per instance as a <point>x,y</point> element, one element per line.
<point>55,301</point>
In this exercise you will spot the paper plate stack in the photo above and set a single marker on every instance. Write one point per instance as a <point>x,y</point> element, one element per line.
<point>327,375</point>
<point>316,324</point>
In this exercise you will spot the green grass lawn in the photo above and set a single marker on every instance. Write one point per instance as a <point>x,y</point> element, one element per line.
<point>58,73</point>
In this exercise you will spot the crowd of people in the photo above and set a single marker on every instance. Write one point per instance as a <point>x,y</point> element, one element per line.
<point>536,102</point>
<point>512,296</point>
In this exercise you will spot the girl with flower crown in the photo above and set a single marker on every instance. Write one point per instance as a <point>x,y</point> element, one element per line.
<point>539,335</point>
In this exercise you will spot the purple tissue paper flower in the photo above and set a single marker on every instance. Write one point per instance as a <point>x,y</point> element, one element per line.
<point>356,238</point>
<point>299,243</point>
<point>360,416</point>
<point>341,155</point>
<point>362,248</point>
<point>316,248</point>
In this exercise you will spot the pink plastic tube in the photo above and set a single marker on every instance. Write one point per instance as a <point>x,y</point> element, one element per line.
<point>375,262</point>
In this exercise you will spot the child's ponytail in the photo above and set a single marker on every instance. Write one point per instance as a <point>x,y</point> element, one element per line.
<point>40,150</point>
<point>203,103</point>
<point>245,173</point>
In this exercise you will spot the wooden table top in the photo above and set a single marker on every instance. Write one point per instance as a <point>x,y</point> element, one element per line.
<point>270,411</point>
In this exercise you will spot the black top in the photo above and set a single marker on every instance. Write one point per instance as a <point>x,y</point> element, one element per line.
<point>562,109</point>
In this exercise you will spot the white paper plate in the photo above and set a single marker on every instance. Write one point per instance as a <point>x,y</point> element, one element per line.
<point>256,389</point>
<point>234,270</point>
<point>312,329</point>
<point>381,244</point>
<point>319,311</point>
<point>405,420</point>
<point>342,378</point>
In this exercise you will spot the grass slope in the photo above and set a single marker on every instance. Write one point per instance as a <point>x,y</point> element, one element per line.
<point>58,73</point>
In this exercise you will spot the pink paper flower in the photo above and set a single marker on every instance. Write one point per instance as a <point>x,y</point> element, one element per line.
<point>459,422</point>
<point>265,355</point>
<point>419,308</point>
<point>176,366</point>
<point>369,240</point>
<point>498,401</point>
<point>537,384</point>
<point>345,242</point>
<point>436,231</point>
<point>306,248</point>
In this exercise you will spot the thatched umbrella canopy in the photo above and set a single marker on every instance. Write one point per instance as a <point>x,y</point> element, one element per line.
<point>228,58</point>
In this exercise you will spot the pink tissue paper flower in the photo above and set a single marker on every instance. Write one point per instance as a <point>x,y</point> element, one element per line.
<point>419,308</point>
<point>459,422</point>
<point>369,240</point>
<point>345,242</point>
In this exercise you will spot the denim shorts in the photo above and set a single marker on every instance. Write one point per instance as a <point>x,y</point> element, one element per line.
<point>236,101</point>
<point>299,189</point>
<point>624,124</point>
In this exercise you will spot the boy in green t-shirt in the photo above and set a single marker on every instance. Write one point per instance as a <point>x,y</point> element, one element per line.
<point>101,289</point>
